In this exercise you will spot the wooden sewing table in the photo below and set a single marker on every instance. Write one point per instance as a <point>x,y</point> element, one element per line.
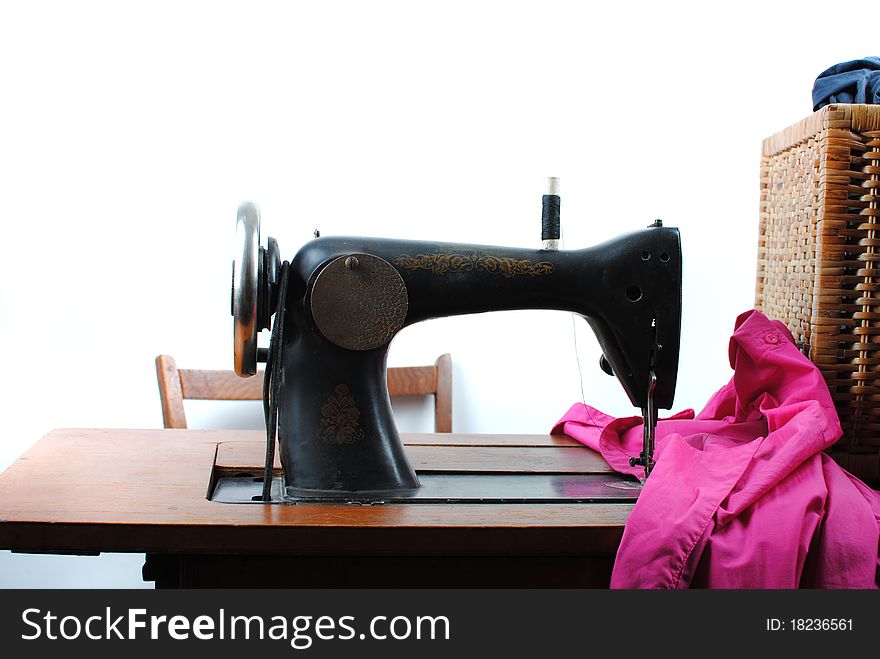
<point>93,491</point>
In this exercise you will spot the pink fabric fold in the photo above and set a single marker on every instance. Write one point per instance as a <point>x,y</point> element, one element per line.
<point>743,495</point>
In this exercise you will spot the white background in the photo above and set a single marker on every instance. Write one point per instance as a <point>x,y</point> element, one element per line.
<point>130,132</point>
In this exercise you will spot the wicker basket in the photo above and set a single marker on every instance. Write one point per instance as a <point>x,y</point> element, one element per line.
<point>819,261</point>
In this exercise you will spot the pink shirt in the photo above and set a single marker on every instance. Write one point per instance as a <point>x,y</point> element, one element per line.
<point>742,495</point>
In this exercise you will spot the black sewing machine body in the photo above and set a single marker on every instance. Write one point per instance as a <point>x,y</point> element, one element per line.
<point>346,298</point>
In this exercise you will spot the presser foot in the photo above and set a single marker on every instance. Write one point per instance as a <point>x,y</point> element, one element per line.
<point>641,461</point>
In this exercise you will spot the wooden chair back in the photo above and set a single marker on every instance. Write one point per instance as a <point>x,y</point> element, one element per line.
<point>179,384</point>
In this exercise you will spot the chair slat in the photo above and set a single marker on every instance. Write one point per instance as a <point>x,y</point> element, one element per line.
<point>220,385</point>
<point>412,381</point>
<point>175,385</point>
<point>169,392</point>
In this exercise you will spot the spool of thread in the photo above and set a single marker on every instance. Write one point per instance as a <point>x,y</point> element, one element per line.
<point>550,215</point>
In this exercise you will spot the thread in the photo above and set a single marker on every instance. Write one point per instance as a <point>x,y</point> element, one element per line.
<point>550,217</point>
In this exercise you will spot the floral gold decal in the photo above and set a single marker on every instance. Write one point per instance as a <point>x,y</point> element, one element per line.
<point>440,264</point>
<point>339,418</point>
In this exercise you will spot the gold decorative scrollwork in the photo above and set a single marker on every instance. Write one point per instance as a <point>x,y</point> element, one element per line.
<point>339,418</point>
<point>440,264</point>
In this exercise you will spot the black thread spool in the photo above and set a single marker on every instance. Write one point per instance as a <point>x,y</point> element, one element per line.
<point>550,215</point>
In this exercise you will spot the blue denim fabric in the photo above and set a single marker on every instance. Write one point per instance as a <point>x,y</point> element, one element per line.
<point>857,81</point>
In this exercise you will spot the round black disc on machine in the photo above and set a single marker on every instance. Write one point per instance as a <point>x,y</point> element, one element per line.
<point>359,301</point>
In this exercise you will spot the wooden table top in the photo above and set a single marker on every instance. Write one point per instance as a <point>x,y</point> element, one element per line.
<point>95,490</point>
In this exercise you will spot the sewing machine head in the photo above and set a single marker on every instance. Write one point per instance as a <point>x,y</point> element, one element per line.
<point>340,301</point>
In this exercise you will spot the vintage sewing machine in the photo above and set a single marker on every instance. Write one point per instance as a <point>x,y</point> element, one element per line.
<point>339,303</point>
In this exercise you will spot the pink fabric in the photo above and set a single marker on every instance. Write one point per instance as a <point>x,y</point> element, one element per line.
<point>742,495</point>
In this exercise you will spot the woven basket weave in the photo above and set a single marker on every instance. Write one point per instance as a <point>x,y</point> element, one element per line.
<point>819,261</point>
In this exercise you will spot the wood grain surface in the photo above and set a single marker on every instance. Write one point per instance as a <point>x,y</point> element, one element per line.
<point>453,457</point>
<point>87,491</point>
